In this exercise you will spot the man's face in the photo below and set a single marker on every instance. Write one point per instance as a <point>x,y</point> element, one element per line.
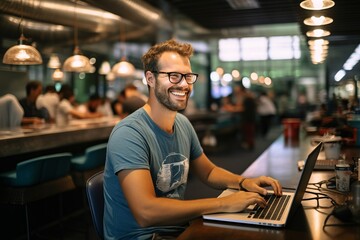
<point>172,96</point>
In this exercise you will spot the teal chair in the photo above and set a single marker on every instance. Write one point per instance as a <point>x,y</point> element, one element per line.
<point>36,179</point>
<point>86,165</point>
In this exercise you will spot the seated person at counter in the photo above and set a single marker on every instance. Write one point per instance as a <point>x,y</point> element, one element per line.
<point>11,112</point>
<point>32,114</point>
<point>67,111</point>
<point>96,104</point>
<point>130,105</point>
<point>150,152</point>
<point>49,100</point>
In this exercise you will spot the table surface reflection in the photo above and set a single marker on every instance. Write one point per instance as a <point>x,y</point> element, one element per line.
<point>48,136</point>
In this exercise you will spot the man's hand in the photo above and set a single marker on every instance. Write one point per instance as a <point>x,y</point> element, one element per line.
<point>257,184</point>
<point>240,200</point>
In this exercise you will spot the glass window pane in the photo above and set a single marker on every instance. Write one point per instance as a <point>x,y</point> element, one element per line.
<point>254,48</point>
<point>229,49</point>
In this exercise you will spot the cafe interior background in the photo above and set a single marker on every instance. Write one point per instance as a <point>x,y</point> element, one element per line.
<point>266,44</point>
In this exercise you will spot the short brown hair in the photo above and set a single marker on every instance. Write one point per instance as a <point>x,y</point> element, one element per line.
<point>151,58</point>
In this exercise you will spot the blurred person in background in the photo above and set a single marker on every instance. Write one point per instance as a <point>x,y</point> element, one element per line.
<point>267,111</point>
<point>49,100</point>
<point>243,103</point>
<point>33,115</point>
<point>66,110</point>
<point>130,90</point>
<point>11,112</point>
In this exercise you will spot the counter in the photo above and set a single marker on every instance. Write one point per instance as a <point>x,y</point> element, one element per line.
<point>35,140</point>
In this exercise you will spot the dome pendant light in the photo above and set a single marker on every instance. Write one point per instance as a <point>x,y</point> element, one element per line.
<point>123,68</point>
<point>318,21</point>
<point>77,62</point>
<point>22,54</point>
<point>317,4</point>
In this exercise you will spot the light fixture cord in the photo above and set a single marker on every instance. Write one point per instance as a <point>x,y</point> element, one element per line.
<point>21,27</point>
<point>122,41</point>
<point>75,26</point>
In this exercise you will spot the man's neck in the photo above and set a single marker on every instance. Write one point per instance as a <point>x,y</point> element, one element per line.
<point>162,116</point>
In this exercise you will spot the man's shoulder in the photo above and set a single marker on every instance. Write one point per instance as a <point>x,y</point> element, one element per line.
<point>135,120</point>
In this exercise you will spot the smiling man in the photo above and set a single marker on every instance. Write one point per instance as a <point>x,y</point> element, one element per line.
<point>150,153</point>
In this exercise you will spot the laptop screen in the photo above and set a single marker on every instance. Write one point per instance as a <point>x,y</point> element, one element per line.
<point>305,177</point>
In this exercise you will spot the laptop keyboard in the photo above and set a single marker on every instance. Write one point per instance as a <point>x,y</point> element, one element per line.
<point>274,209</point>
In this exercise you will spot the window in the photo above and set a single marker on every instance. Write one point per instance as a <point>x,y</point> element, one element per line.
<point>259,48</point>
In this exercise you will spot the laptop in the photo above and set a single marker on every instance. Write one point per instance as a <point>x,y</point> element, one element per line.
<point>278,209</point>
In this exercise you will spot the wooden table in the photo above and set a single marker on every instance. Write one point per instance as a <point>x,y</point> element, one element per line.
<point>280,161</point>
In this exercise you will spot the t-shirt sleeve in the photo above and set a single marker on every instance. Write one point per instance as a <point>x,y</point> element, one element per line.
<point>127,149</point>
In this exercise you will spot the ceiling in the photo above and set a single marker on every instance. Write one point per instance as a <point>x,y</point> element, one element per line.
<point>188,18</point>
<point>218,14</point>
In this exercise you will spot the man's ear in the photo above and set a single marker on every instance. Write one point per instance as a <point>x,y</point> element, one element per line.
<point>150,78</point>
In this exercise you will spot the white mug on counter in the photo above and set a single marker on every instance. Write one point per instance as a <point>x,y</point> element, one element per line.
<point>331,145</point>
<point>332,150</point>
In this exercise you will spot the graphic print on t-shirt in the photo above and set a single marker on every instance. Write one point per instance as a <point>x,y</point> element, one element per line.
<point>173,172</point>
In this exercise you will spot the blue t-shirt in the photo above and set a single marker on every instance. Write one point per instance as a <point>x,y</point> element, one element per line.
<point>138,143</point>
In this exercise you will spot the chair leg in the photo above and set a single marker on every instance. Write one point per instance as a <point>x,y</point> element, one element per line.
<point>27,222</point>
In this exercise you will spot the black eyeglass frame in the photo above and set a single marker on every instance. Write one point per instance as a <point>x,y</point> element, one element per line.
<point>180,79</point>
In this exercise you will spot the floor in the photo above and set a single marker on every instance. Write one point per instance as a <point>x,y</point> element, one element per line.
<point>78,225</point>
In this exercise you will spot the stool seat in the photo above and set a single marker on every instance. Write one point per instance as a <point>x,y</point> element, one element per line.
<point>94,157</point>
<point>37,170</point>
<point>36,179</point>
<point>86,165</point>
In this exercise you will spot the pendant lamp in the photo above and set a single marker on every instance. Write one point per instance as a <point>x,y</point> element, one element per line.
<point>54,62</point>
<point>123,68</point>
<point>318,33</point>
<point>318,21</point>
<point>22,54</point>
<point>58,75</point>
<point>105,68</point>
<point>77,62</point>
<point>317,4</point>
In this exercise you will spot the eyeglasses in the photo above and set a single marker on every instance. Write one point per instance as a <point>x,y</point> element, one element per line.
<point>175,77</point>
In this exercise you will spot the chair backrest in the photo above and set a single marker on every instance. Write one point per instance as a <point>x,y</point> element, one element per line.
<point>95,155</point>
<point>55,166</point>
<point>95,196</point>
<point>41,169</point>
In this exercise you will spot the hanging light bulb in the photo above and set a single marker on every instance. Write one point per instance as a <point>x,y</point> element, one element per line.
<point>123,69</point>
<point>318,21</point>
<point>105,68</point>
<point>317,33</point>
<point>77,62</point>
<point>58,75</point>
<point>22,54</point>
<point>110,76</point>
<point>317,4</point>
<point>54,62</point>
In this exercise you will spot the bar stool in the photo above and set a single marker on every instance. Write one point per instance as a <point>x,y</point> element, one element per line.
<point>86,165</point>
<point>36,179</point>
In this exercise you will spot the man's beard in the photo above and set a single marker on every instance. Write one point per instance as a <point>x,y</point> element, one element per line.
<point>165,100</point>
